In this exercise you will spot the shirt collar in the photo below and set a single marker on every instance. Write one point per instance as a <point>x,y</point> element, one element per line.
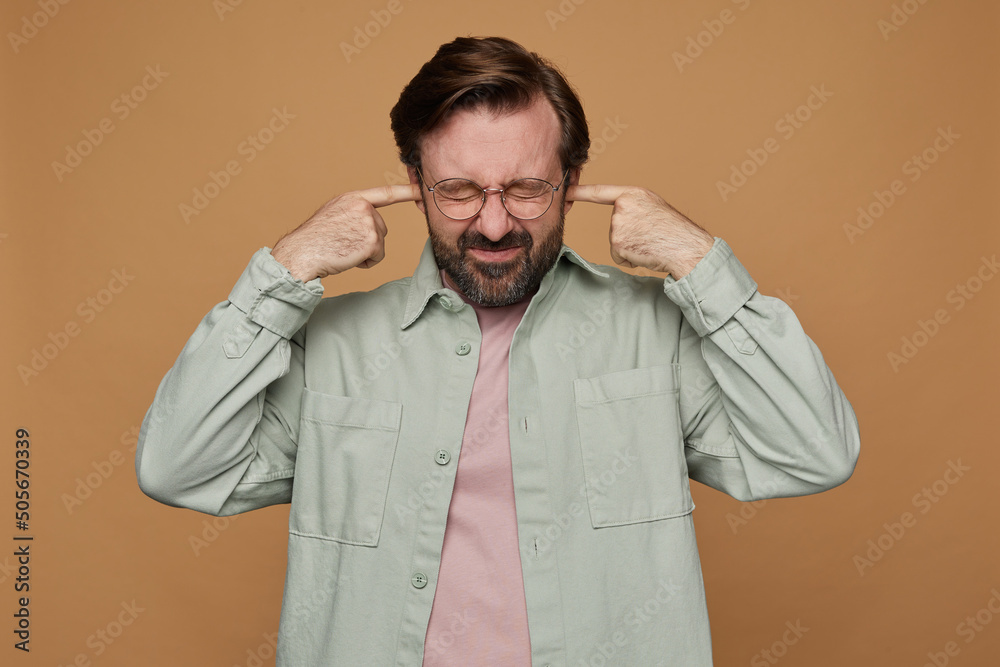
<point>426,281</point>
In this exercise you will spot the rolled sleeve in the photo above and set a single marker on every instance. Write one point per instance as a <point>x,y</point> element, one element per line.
<point>270,296</point>
<point>717,287</point>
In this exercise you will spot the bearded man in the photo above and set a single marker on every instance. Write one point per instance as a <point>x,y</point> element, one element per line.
<point>488,462</point>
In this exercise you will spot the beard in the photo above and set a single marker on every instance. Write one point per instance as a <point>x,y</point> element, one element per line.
<point>498,283</point>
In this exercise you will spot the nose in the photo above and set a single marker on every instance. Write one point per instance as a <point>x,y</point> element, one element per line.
<point>493,220</point>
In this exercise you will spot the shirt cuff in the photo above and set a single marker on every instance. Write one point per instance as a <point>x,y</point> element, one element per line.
<point>713,291</point>
<point>270,296</point>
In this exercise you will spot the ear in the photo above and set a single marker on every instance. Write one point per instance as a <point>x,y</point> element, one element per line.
<point>421,204</point>
<point>572,179</point>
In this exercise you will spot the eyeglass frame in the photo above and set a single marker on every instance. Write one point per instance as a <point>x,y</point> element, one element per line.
<point>486,191</point>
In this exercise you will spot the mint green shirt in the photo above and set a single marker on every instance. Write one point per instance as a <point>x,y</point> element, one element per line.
<point>622,388</point>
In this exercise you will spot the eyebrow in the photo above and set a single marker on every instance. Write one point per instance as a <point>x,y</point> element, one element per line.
<point>503,185</point>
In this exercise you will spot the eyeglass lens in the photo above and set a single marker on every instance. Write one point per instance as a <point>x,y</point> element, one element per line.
<point>526,199</point>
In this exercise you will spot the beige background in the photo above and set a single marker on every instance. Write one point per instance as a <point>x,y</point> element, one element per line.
<point>679,131</point>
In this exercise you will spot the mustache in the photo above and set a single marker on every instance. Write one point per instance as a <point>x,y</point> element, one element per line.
<point>473,239</point>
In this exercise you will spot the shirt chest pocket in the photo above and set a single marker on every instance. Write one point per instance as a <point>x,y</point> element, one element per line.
<point>345,453</point>
<point>632,446</point>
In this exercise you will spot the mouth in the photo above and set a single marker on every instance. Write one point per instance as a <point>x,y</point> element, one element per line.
<point>502,255</point>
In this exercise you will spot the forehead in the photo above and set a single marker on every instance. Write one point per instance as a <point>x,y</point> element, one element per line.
<point>494,149</point>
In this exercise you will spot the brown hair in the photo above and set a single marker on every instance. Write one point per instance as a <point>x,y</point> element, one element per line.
<point>491,72</point>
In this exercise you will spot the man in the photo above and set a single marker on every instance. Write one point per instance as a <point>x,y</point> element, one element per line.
<point>488,462</point>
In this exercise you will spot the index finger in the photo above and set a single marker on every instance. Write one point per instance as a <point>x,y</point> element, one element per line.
<point>390,194</point>
<point>598,194</point>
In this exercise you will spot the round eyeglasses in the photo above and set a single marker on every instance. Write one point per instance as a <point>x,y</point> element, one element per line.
<point>525,198</point>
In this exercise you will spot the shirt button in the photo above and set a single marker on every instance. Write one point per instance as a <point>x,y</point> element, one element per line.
<point>446,302</point>
<point>419,580</point>
<point>442,457</point>
<point>463,348</point>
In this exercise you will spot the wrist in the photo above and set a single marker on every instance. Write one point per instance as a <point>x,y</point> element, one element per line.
<point>694,251</point>
<point>292,263</point>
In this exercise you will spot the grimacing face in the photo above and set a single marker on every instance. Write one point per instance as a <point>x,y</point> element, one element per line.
<point>494,258</point>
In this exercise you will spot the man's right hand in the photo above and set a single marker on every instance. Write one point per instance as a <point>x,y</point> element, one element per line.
<point>344,233</point>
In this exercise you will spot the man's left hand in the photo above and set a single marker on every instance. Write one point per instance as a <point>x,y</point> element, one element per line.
<point>647,231</point>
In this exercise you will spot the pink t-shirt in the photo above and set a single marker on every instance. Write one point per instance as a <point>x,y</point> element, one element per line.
<point>479,616</point>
